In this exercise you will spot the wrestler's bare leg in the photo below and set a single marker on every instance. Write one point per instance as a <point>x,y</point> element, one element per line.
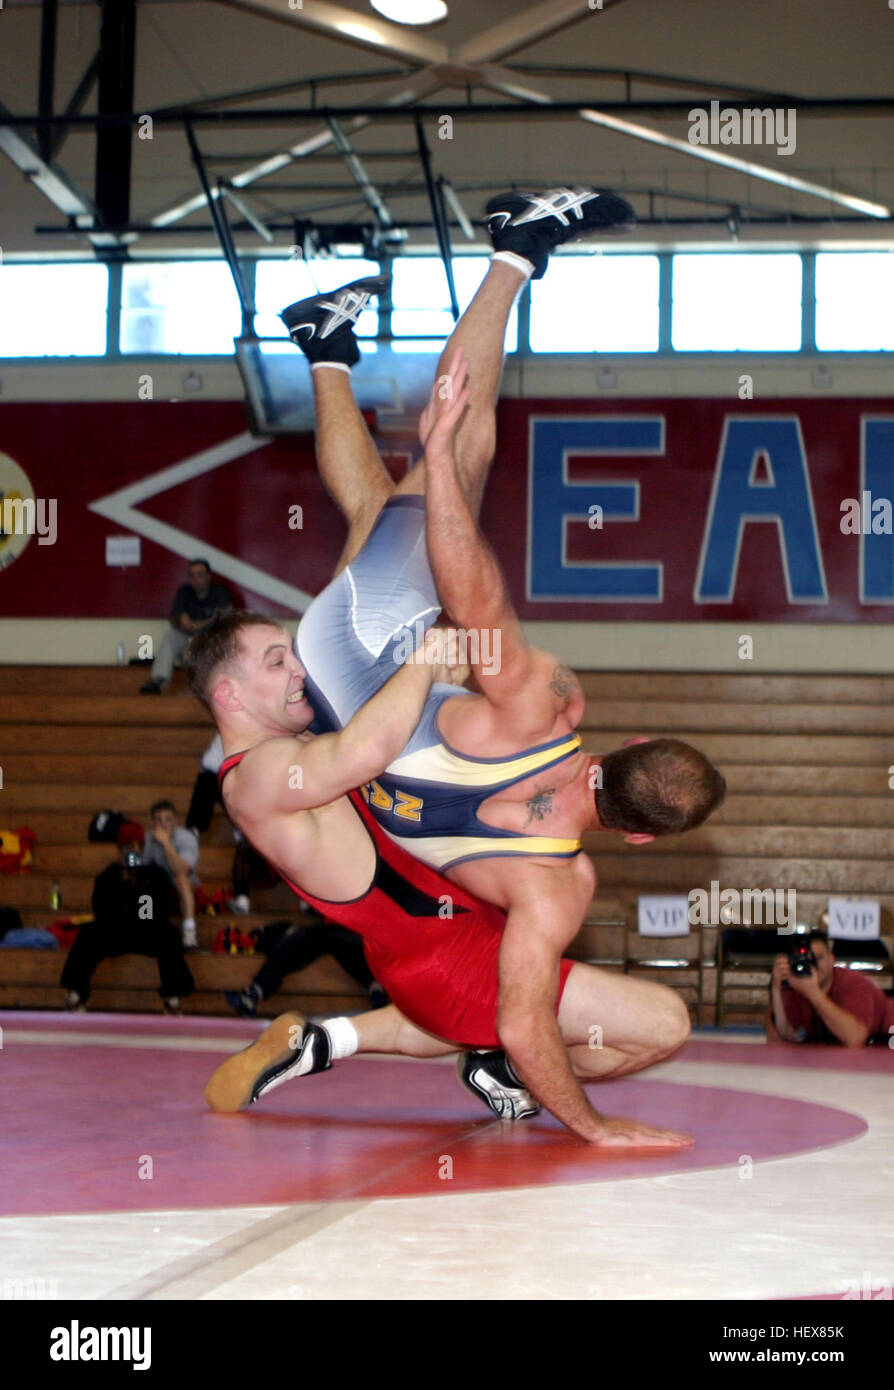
<point>615,1024</point>
<point>350,465</point>
<point>480,333</point>
<point>386,1030</point>
<point>612,1025</point>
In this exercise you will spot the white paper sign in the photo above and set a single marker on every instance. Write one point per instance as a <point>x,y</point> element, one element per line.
<point>663,916</point>
<point>854,919</point>
<point>122,550</point>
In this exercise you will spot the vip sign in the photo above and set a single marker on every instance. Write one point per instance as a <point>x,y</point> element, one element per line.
<point>659,916</point>
<point>16,492</point>
<point>854,919</point>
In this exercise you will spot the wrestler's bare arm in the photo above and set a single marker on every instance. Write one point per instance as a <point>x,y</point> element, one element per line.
<point>548,907</point>
<point>283,775</point>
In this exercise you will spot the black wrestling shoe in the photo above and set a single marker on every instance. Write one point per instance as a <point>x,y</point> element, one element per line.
<point>246,1003</point>
<point>290,1047</point>
<point>323,326</point>
<point>492,1078</point>
<point>533,224</point>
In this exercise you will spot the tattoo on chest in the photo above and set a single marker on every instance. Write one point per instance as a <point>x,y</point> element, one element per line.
<point>563,682</point>
<point>540,804</point>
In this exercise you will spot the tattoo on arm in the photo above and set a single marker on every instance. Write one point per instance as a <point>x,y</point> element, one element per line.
<point>540,804</point>
<point>564,683</point>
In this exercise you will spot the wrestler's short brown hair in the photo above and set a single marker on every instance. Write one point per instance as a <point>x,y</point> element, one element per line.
<point>661,787</point>
<point>216,647</point>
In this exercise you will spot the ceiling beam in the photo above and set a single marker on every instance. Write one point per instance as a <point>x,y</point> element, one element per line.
<point>314,85</point>
<point>394,94</point>
<point>76,101</point>
<point>117,56</point>
<point>55,185</point>
<point>43,174</point>
<point>863,229</point>
<point>346,25</point>
<point>242,207</point>
<point>742,166</point>
<point>47,78</point>
<point>336,22</point>
<point>449,75</point>
<point>536,22</point>
<point>371,194</point>
<point>505,81</point>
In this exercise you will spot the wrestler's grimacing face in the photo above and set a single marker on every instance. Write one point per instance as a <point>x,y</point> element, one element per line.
<point>270,680</point>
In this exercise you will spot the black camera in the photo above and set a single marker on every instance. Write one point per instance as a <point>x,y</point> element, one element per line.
<point>801,959</point>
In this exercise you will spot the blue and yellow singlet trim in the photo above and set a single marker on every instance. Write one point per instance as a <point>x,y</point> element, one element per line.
<point>431,797</point>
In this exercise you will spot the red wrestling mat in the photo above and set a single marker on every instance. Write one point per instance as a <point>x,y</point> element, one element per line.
<point>83,1122</point>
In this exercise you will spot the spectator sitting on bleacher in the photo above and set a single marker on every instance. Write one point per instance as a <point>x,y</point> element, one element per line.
<point>299,946</point>
<point>132,905</point>
<point>176,850</point>
<point>193,608</point>
<point>826,1005</point>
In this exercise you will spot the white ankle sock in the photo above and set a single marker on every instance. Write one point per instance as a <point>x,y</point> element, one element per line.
<point>188,923</point>
<point>342,1037</point>
<point>518,262</point>
<point>337,366</point>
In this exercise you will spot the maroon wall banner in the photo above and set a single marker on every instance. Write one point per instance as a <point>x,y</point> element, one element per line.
<point>670,509</point>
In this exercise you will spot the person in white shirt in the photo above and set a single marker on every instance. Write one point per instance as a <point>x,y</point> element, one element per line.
<point>172,847</point>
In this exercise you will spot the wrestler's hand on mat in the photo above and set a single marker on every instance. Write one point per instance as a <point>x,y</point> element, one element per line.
<point>630,1134</point>
<point>440,419</point>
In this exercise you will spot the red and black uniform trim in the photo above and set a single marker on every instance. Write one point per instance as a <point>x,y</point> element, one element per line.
<point>431,943</point>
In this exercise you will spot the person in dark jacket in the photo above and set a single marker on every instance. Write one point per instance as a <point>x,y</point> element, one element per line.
<point>132,906</point>
<point>193,608</point>
<point>297,946</point>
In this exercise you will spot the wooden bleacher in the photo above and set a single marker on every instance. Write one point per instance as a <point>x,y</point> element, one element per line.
<point>806,759</point>
<point>66,755</point>
<point>809,807</point>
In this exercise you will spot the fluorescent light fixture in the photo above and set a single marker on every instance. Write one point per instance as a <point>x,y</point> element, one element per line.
<point>411,11</point>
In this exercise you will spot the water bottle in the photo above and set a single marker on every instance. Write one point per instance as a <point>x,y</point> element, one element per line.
<point>55,896</point>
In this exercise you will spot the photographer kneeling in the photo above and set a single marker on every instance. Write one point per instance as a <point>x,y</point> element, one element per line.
<point>132,906</point>
<point>811,1001</point>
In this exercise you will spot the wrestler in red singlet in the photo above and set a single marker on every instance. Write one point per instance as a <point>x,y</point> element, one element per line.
<point>432,944</point>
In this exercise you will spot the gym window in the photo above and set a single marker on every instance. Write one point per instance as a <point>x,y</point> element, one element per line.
<point>597,303</point>
<point>278,283</point>
<point>53,310</point>
<point>422,303</point>
<point>855,301</point>
<point>737,302</point>
<point>178,307</point>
